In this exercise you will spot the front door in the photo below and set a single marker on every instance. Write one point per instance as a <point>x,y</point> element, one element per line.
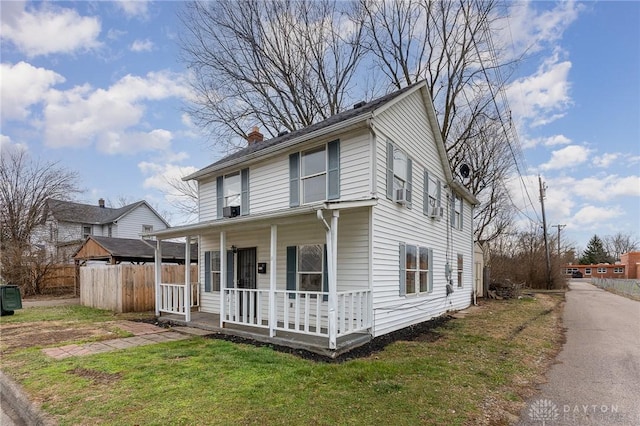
<point>246,278</point>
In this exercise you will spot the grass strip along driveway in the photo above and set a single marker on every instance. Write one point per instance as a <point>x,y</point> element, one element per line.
<point>472,370</point>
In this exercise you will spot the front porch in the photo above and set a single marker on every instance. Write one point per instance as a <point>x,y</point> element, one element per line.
<point>312,343</point>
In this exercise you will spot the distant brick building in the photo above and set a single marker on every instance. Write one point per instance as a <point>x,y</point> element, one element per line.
<point>629,268</point>
<point>632,262</point>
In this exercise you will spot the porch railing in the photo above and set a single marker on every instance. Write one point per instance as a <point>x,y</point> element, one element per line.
<point>298,311</point>
<point>172,297</point>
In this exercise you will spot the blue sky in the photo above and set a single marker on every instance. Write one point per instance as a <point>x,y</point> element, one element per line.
<point>98,86</point>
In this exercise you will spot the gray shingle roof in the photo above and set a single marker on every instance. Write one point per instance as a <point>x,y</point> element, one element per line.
<point>334,119</point>
<point>143,250</point>
<point>68,211</point>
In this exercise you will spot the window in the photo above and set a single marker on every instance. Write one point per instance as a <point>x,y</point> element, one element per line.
<point>211,271</point>
<point>460,268</point>
<point>314,175</point>
<point>399,173</point>
<point>232,190</point>
<point>86,231</point>
<point>431,196</point>
<point>306,269</point>
<point>602,270</point>
<point>456,211</point>
<point>618,270</point>
<point>310,263</point>
<point>109,230</point>
<point>416,270</point>
<point>587,271</point>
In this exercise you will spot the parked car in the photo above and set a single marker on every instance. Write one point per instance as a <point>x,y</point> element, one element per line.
<point>576,274</point>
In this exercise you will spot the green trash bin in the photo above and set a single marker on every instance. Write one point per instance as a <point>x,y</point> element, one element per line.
<point>10,299</point>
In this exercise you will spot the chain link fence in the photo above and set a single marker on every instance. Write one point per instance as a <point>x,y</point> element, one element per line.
<point>626,287</point>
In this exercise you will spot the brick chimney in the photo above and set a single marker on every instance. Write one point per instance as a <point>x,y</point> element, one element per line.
<point>254,136</point>
<point>101,202</point>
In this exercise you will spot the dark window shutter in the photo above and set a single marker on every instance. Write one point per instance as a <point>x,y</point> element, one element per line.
<point>430,266</point>
<point>333,170</point>
<point>438,203</point>
<point>244,203</point>
<point>219,196</point>
<point>294,180</point>
<point>425,194</point>
<point>292,269</point>
<point>390,170</point>
<point>207,271</point>
<point>230,270</point>
<point>409,180</point>
<point>403,270</point>
<point>325,275</point>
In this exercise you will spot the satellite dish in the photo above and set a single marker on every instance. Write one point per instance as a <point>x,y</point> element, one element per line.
<point>464,171</point>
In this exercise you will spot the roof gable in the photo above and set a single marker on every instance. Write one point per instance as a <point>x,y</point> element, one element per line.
<point>68,211</point>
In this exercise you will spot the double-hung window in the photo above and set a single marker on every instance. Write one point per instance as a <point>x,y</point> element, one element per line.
<point>587,271</point>
<point>232,190</point>
<point>307,268</point>
<point>456,211</point>
<point>399,174</point>
<point>460,269</point>
<point>618,270</point>
<point>416,269</point>
<point>211,271</point>
<point>86,231</point>
<point>431,196</point>
<point>602,270</point>
<point>314,175</point>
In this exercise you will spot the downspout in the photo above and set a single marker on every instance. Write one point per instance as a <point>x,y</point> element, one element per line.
<point>158,275</point>
<point>187,279</point>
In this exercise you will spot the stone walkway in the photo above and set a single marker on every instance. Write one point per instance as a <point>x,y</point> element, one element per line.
<point>144,334</point>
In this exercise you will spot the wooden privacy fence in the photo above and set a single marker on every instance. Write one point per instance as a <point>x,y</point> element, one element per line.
<point>60,279</point>
<point>127,288</point>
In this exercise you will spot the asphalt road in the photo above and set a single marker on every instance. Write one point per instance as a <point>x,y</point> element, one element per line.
<point>596,378</point>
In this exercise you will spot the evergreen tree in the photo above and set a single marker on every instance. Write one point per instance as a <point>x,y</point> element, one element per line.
<point>595,253</point>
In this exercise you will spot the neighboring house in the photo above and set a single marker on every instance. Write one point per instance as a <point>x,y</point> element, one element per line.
<point>67,224</point>
<point>331,235</point>
<point>599,270</point>
<point>115,251</point>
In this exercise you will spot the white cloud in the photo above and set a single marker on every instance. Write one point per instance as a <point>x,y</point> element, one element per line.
<point>605,160</point>
<point>133,8</point>
<point>548,141</point>
<point>601,188</point>
<point>531,30</point>
<point>21,86</point>
<point>115,34</point>
<point>592,215</point>
<point>544,96</point>
<point>567,157</point>
<point>6,144</point>
<point>83,115</point>
<point>142,46</point>
<point>48,29</point>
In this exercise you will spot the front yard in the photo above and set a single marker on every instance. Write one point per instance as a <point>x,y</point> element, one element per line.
<point>473,370</point>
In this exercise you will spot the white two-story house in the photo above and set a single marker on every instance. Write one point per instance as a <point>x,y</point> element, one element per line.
<point>67,225</point>
<point>329,236</point>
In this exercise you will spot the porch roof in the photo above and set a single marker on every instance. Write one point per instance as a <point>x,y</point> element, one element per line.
<point>198,228</point>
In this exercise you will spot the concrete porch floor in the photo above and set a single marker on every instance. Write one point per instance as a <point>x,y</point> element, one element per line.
<point>311,343</point>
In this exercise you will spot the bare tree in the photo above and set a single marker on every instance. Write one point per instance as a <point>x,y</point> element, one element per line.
<point>618,244</point>
<point>182,195</point>
<point>25,186</point>
<point>278,64</point>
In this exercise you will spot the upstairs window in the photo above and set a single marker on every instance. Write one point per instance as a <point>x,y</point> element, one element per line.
<point>399,174</point>
<point>431,196</point>
<point>145,229</point>
<point>456,211</point>
<point>86,231</point>
<point>232,190</point>
<point>314,175</point>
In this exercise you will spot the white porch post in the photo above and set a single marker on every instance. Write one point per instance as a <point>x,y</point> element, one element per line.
<point>272,281</point>
<point>332,266</point>
<point>223,274</point>
<point>158,276</point>
<point>187,279</point>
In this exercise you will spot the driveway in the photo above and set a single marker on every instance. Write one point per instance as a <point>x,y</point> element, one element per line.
<point>596,378</point>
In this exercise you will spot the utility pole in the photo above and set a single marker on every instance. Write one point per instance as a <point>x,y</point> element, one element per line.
<point>543,187</point>
<point>560,227</point>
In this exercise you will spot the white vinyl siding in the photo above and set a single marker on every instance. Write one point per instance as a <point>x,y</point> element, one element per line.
<point>130,225</point>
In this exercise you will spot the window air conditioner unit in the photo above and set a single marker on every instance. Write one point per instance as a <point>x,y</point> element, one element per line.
<point>231,211</point>
<point>437,213</point>
<point>401,196</point>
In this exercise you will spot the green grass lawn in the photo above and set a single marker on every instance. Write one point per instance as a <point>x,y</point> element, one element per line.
<point>477,372</point>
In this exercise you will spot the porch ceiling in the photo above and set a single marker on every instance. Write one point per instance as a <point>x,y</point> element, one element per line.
<point>256,221</point>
